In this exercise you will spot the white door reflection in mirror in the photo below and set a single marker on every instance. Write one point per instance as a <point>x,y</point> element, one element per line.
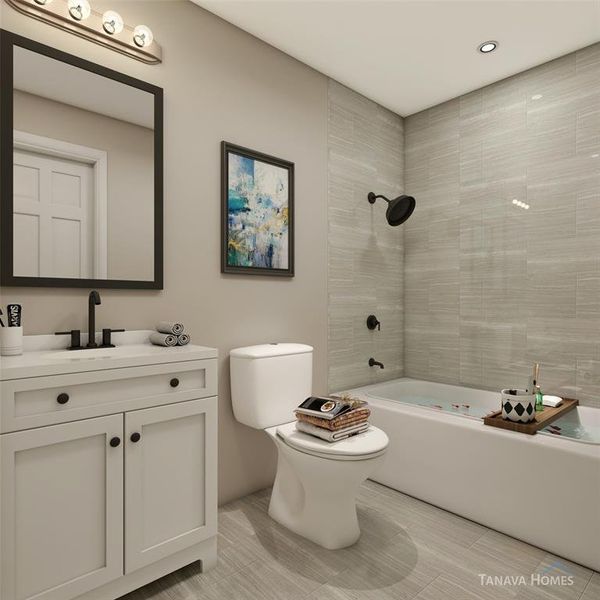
<point>59,209</point>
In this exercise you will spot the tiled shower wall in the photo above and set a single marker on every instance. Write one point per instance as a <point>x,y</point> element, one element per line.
<point>490,286</point>
<point>366,149</point>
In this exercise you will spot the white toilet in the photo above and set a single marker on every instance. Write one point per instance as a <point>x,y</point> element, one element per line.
<point>315,488</point>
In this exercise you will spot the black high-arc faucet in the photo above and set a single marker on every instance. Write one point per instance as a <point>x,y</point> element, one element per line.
<point>93,301</point>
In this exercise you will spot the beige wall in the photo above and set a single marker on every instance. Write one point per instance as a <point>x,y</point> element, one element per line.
<point>366,153</point>
<point>130,158</point>
<point>491,288</point>
<point>220,84</point>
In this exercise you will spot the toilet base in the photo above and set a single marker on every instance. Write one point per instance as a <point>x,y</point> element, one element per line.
<point>315,497</point>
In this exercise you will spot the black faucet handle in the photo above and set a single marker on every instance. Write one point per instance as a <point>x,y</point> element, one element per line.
<point>106,337</point>
<point>75,338</point>
<point>373,323</point>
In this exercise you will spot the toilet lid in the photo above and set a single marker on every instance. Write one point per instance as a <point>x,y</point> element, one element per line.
<point>372,441</point>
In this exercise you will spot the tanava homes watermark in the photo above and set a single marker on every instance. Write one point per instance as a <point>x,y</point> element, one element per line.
<point>556,574</point>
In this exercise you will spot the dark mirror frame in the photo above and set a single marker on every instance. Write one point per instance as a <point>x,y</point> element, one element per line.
<point>8,41</point>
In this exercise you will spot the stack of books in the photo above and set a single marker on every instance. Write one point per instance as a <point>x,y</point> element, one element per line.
<point>332,419</point>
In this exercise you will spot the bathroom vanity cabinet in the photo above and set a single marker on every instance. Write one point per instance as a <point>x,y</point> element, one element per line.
<point>108,476</point>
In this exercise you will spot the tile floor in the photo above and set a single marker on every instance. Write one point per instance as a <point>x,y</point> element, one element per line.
<point>408,549</point>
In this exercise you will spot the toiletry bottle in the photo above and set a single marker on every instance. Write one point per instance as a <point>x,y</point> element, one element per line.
<point>539,399</point>
<point>530,389</point>
<point>537,390</point>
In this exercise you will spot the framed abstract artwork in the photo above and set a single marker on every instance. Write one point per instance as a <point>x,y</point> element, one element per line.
<point>257,213</point>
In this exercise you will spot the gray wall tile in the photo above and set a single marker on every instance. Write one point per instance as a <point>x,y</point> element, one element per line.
<point>489,287</point>
<point>366,153</point>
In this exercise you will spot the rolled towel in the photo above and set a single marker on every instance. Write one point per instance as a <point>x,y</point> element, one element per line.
<point>170,327</point>
<point>183,339</point>
<point>163,339</point>
<point>330,436</point>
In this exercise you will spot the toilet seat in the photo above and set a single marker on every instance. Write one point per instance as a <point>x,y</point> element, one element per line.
<point>363,446</point>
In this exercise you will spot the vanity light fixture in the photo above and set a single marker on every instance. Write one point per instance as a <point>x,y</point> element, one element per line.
<point>106,29</point>
<point>487,47</point>
<point>112,22</point>
<point>79,9</point>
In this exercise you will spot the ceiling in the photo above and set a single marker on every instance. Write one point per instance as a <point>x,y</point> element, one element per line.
<point>49,78</point>
<point>410,55</point>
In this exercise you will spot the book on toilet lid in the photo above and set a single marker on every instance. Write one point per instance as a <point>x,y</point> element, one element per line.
<point>328,408</point>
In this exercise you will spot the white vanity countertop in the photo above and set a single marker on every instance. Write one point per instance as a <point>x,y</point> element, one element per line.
<point>47,355</point>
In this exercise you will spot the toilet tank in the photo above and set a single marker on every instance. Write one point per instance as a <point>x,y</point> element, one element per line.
<point>268,382</point>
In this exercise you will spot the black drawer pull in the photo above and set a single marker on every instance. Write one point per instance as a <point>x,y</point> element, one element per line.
<point>135,437</point>
<point>174,382</point>
<point>62,398</point>
<point>114,442</point>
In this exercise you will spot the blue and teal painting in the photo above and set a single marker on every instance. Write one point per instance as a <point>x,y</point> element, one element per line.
<point>258,214</point>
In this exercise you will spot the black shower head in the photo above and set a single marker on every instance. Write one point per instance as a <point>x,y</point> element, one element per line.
<point>399,209</point>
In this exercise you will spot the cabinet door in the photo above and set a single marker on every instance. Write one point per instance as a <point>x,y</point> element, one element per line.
<point>61,519</point>
<point>170,479</point>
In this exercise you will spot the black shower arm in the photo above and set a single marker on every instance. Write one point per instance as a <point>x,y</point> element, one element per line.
<point>371,197</point>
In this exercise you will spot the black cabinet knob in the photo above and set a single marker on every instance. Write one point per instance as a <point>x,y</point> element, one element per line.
<point>174,382</point>
<point>135,437</point>
<point>114,442</point>
<point>62,398</point>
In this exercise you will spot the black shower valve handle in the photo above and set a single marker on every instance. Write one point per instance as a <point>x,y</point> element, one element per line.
<point>373,323</point>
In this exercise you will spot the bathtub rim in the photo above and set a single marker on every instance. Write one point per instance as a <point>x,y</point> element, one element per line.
<point>581,447</point>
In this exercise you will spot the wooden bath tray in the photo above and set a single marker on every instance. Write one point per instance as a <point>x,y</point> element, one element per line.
<point>542,418</point>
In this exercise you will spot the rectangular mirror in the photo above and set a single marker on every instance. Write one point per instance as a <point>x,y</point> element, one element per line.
<point>80,172</point>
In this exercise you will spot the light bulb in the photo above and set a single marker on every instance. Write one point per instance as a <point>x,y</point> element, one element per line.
<point>142,36</point>
<point>112,22</point>
<point>79,9</point>
<point>43,2</point>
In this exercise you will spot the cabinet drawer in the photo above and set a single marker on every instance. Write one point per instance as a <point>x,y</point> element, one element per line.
<point>40,401</point>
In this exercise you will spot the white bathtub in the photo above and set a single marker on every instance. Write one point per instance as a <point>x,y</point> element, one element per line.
<point>542,489</point>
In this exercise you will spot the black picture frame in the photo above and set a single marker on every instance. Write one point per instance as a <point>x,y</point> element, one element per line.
<point>8,41</point>
<point>226,149</point>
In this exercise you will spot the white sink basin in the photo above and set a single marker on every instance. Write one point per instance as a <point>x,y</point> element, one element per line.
<point>84,354</point>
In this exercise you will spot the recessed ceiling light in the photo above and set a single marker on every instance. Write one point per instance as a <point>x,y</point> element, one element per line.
<point>488,47</point>
<point>537,97</point>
